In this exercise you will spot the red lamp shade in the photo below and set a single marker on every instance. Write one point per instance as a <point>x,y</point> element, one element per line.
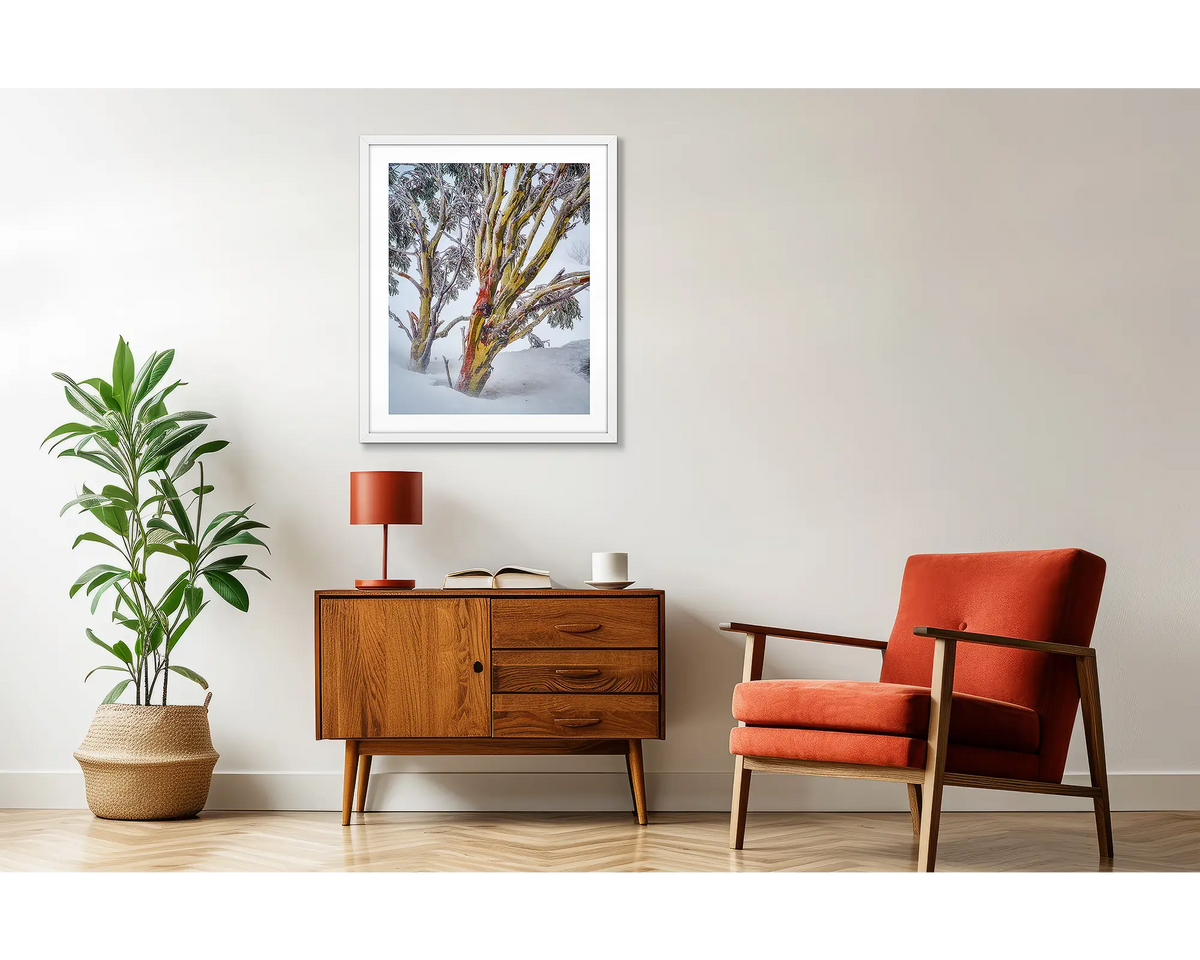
<point>383,497</point>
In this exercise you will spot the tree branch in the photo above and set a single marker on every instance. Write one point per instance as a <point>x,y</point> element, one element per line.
<point>400,323</point>
<point>452,324</point>
<point>405,276</point>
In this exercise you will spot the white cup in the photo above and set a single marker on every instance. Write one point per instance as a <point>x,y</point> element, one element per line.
<point>610,567</point>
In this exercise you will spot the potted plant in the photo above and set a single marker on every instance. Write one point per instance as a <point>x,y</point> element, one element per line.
<point>147,760</point>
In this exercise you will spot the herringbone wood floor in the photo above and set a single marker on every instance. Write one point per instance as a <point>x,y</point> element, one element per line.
<point>74,840</point>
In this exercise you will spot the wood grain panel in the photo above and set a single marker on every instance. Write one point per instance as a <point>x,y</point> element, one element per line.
<point>575,671</point>
<point>404,668</point>
<point>519,623</point>
<point>574,715</point>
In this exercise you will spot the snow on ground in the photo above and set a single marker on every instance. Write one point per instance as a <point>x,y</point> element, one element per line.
<point>546,380</point>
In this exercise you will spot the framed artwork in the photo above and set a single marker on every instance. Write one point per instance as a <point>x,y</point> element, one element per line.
<point>488,289</point>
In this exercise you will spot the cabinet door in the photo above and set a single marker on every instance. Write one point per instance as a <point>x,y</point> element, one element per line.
<point>401,667</point>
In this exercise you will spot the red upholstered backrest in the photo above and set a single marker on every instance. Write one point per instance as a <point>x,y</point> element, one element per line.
<point>1048,595</point>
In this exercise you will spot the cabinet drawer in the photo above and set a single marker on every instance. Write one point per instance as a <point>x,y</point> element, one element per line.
<point>575,671</point>
<point>575,622</point>
<point>633,716</point>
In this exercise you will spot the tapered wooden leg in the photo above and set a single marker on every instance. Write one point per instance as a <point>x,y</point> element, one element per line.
<point>632,792</point>
<point>348,779</point>
<point>364,775</point>
<point>914,807</point>
<point>1093,729</point>
<point>637,778</point>
<point>941,691</point>
<point>741,797</point>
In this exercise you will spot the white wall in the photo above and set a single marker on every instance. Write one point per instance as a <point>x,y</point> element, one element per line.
<point>854,326</point>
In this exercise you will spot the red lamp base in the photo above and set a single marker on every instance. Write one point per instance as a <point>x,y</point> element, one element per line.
<point>385,584</point>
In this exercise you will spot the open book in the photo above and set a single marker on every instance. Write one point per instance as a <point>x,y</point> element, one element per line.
<point>506,578</point>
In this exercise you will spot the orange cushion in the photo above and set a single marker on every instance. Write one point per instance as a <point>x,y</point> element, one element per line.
<point>877,750</point>
<point>894,709</point>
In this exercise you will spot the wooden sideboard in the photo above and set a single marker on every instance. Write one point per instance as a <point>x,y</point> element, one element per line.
<point>515,672</point>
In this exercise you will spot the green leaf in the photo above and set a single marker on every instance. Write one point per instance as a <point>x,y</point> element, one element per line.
<point>86,500</point>
<point>70,429</point>
<point>182,628</point>
<point>153,548</point>
<point>161,452</point>
<point>90,574</point>
<point>105,391</point>
<point>159,535</point>
<point>190,674</point>
<point>119,495</point>
<point>225,564</point>
<point>114,694</point>
<point>244,537</point>
<point>104,667</point>
<point>98,642</point>
<point>103,579</point>
<point>189,551</point>
<point>177,511</point>
<point>174,597</point>
<point>154,407</point>
<point>205,490</point>
<point>81,400</point>
<point>93,538</point>
<point>122,651</point>
<point>122,375</point>
<point>229,589</point>
<point>219,518</point>
<point>103,589</point>
<point>222,536</point>
<point>112,517</point>
<point>180,416</point>
<point>192,596</point>
<point>261,573</point>
<point>156,635</point>
<point>153,370</point>
<point>209,446</point>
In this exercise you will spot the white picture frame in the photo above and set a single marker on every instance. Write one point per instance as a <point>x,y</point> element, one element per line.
<point>383,414</point>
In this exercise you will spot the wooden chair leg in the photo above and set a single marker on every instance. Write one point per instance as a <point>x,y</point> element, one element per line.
<point>914,807</point>
<point>632,791</point>
<point>941,691</point>
<point>638,777</point>
<point>741,797</point>
<point>1093,729</point>
<point>364,776</point>
<point>348,779</point>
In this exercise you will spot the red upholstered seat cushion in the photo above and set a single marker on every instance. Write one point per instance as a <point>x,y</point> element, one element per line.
<point>892,709</point>
<point>878,750</point>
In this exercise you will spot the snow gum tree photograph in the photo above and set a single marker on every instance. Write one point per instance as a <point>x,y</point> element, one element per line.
<point>489,289</point>
<point>480,264</point>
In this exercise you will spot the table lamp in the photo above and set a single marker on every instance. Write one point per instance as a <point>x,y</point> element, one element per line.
<point>385,496</point>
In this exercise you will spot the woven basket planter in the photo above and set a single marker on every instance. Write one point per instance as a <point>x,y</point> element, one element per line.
<point>147,763</point>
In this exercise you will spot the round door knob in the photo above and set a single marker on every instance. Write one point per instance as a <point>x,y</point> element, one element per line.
<point>478,668</point>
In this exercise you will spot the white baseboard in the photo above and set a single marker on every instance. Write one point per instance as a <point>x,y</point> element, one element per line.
<point>600,792</point>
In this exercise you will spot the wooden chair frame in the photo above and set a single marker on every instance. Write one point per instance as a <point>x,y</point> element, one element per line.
<point>925,785</point>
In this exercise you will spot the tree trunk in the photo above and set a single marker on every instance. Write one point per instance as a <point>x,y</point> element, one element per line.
<point>422,341</point>
<point>422,348</point>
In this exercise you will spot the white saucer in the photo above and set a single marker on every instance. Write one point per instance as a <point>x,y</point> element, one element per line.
<point>609,584</point>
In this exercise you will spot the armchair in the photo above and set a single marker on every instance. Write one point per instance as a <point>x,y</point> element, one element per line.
<point>1012,685</point>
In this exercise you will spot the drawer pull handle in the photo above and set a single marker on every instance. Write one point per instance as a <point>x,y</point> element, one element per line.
<point>577,627</point>
<point>578,674</point>
<point>577,721</point>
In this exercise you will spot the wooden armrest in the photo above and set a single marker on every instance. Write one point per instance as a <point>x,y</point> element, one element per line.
<point>758,630</point>
<point>1069,649</point>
